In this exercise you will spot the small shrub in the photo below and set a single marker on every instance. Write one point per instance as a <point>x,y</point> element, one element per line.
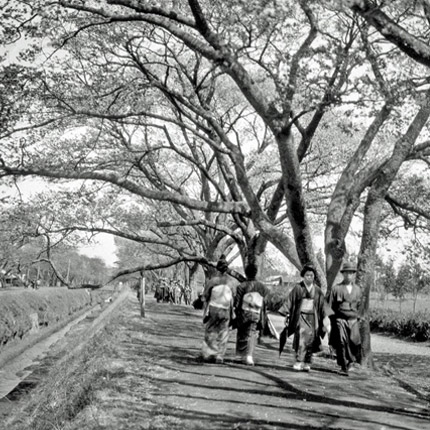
<point>412,326</point>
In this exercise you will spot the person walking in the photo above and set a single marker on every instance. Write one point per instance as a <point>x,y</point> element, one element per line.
<point>307,317</point>
<point>344,299</point>
<point>217,315</point>
<point>250,313</point>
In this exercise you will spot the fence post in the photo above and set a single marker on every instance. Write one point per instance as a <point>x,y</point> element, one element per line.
<point>142,297</point>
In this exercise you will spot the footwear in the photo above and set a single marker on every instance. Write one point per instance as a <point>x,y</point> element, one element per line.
<point>306,367</point>
<point>344,371</point>
<point>298,366</point>
<point>219,360</point>
<point>249,360</point>
<point>353,366</point>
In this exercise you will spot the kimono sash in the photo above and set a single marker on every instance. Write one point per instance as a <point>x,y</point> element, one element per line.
<point>307,306</point>
<point>252,302</point>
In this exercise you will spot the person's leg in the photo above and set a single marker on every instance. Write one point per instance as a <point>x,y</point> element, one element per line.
<point>251,342</point>
<point>223,333</point>
<point>299,346</point>
<point>309,339</point>
<point>241,340</point>
<point>342,349</point>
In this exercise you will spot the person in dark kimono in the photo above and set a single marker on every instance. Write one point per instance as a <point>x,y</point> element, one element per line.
<point>217,315</point>
<point>344,299</point>
<point>307,318</point>
<point>250,313</point>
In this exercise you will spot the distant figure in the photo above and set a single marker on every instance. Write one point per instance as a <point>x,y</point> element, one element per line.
<point>187,295</point>
<point>250,313</point>
<point>345,338</point>
<point>171,291</point>
<point>158,295</point>
<point>306,317</point>
<point>178,292</point>
<point>218,313</point>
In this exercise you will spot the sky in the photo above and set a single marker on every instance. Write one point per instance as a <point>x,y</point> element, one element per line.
<point>104,248</point>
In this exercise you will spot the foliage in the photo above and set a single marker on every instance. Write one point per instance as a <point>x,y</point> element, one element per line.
<point>413,276</point>
<point>210,94</point>
<point>277,296</point>
<point>414,326</point>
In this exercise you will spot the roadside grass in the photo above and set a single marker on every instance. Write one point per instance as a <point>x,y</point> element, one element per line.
<point>24,310</point>
<point>66,391</point>
<point>97,385</point>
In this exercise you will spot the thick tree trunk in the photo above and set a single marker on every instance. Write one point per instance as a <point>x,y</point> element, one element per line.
<point>366,266</point>
<point>346,198</point>
<point>296,205</point>
<point>372,219</point>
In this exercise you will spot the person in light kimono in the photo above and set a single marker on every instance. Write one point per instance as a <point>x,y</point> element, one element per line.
<point>307,318</point>
<point>250,313</point>
<point>217,315</point>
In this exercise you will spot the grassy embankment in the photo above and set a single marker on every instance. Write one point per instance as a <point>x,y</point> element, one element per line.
<point>66,396</point>
<point>67,390</point>
<point>27,315</point>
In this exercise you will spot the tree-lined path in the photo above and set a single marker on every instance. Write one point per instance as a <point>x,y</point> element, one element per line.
<point>154,381</point>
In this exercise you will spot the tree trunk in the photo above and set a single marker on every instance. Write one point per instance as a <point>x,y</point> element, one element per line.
<point>296,205</point>
<point>366,267</point>
<point>346,198</point>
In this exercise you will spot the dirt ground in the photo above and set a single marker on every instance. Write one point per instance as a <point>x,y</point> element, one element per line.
<point>153,381</point>
<point>146,376</point>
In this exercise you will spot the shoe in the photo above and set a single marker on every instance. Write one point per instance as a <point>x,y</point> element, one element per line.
<point>344,371</point>
<point>249,360</point>
<point>298,366</point>
<point>306,367</point>
<point>219,360</point>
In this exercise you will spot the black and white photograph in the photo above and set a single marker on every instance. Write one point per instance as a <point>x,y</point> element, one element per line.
<point>214,214</point>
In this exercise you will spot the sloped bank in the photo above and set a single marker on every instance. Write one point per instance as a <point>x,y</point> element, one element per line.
<point>67,376</point>
<point>27,316</point>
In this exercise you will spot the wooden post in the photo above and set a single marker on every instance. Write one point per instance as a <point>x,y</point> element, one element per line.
<point>142,297</point>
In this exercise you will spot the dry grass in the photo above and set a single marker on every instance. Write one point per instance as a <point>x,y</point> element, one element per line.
<point>50,305</point>
<point>67,390</point>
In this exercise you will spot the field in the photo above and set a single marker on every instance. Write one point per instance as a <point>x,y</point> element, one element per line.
<point>407,306</point>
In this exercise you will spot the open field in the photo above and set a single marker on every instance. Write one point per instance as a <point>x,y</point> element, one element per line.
<point>391,303</point>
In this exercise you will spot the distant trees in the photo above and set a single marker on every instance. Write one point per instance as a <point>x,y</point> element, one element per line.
<point>412,277</point>
<point>220,110</point>
<point>28,250</point>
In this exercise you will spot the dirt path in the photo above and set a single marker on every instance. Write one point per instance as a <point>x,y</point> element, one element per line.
<point>407,363</point>
<point>153,381</point>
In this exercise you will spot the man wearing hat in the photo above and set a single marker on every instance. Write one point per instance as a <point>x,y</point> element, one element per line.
<point>344,300</point>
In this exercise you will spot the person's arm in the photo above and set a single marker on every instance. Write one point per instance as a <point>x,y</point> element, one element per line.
<point>287,306</point>
<point>239,296</point>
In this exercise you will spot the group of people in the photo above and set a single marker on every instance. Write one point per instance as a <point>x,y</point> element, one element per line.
<point>172,291</point>
<point>309,316</point>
